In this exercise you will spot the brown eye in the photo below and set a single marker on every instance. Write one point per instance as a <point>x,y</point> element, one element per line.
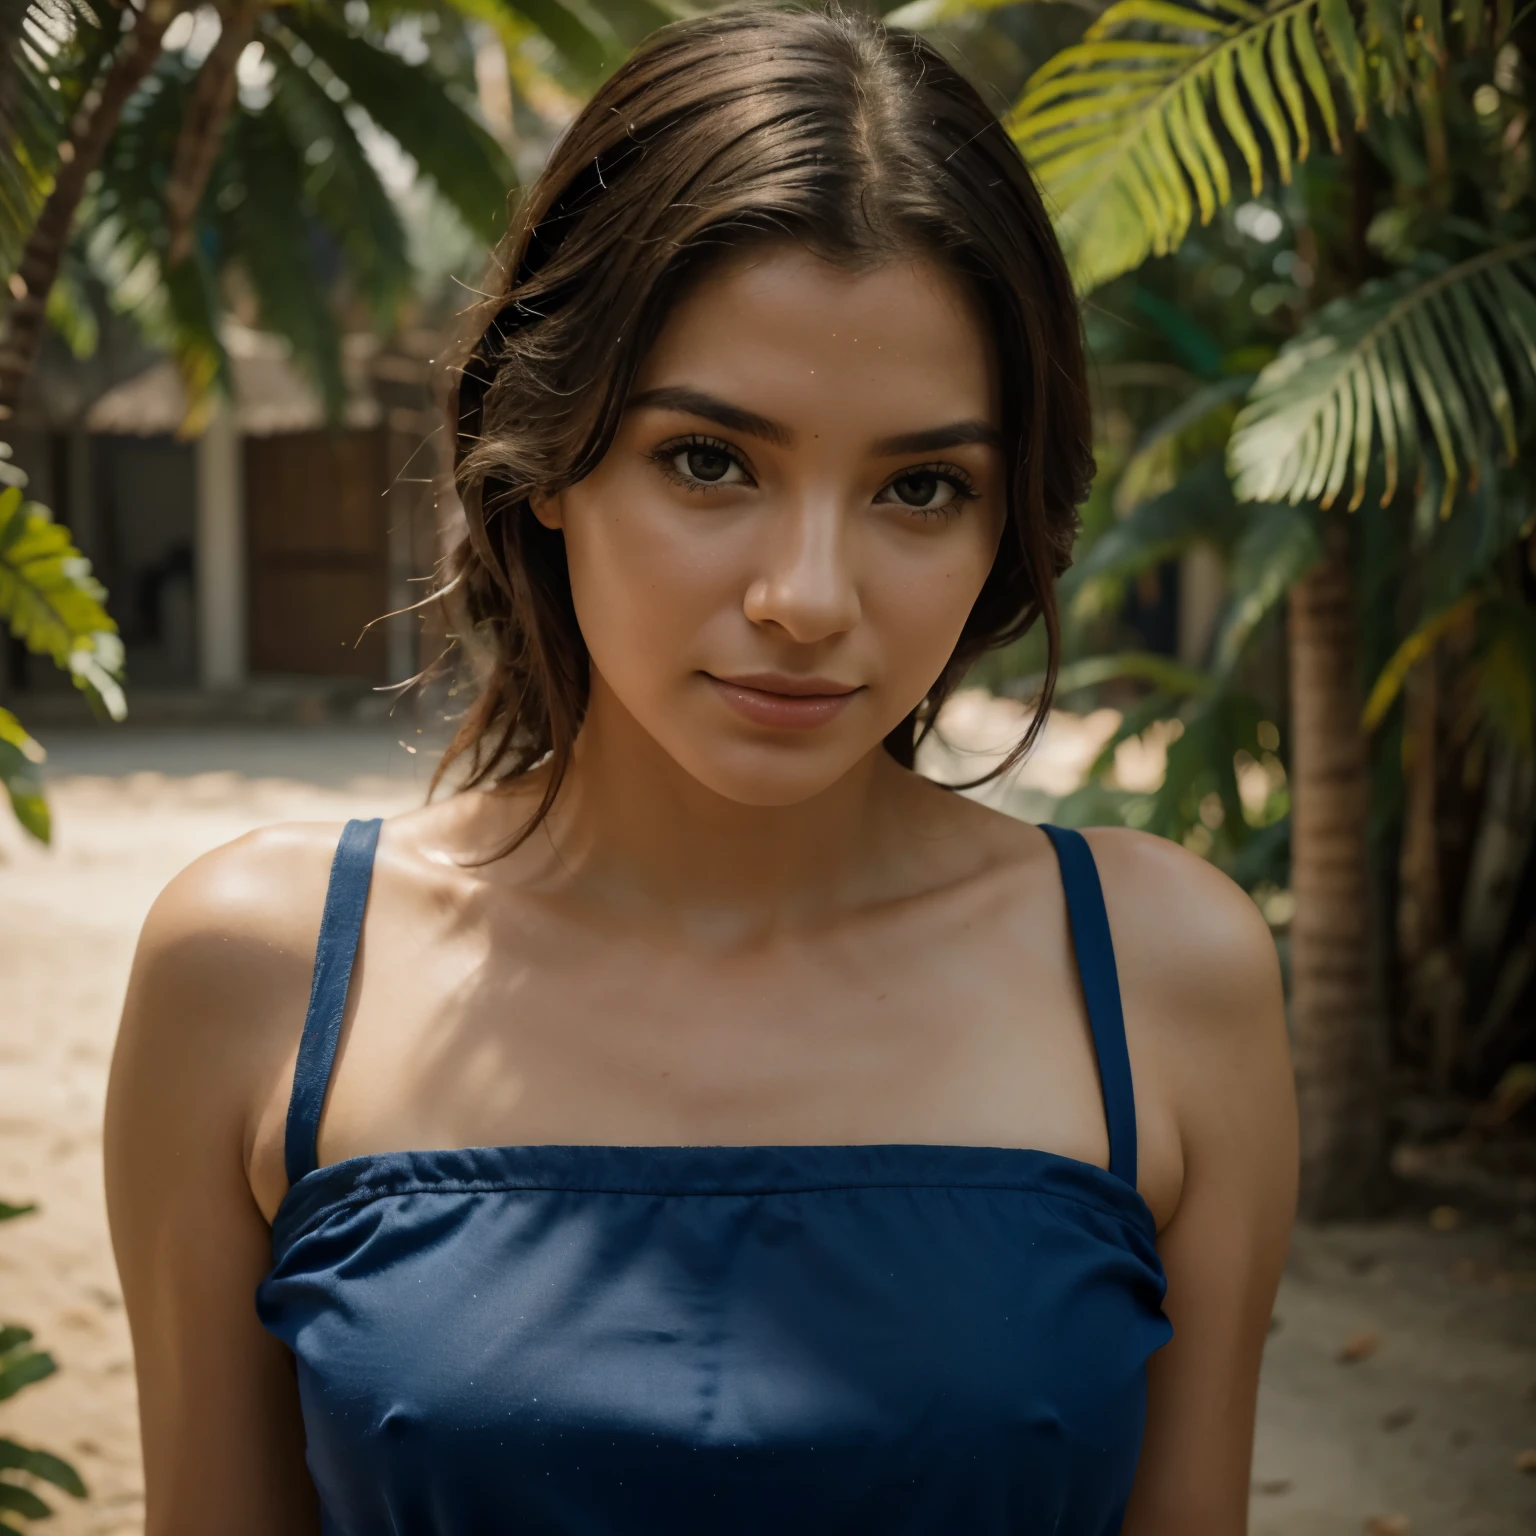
<point>923,490</point>
<point>920,490</point>
<point>703,463</point>
<point>709,464</point>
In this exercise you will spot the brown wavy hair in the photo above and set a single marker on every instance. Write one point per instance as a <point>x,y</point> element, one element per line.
<point>862,143</point>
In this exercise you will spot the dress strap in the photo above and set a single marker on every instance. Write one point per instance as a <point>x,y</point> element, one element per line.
<point>1101,992</point>
<point>341,926</point>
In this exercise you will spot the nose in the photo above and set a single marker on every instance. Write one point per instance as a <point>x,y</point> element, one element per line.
<point>807,587</point>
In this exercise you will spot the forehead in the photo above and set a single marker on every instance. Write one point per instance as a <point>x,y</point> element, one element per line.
<point>784,332</point>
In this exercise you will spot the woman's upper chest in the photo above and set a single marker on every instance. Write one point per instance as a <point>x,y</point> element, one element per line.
<point>515,1020</point>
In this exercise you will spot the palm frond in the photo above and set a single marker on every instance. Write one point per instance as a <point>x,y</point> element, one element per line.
<point>418,111</point>
<point>70,313</point>
<point>1130,129</point>
<point>265,223</point>
<point>42,1465</point>
<point>54,605</point>
<point>1202,761</point>
<point>33,114</point>
<point>21,760</point>
<point>1279,545</point>
<point>582,35</point>
<point>1144,666</point>
<point>1198,508</point>
<point>1195,429</point>
<point>342,187</point>
<point>1418,645</point>
<point>1445,350</point>
<point>1120,126</point>
<point>123,237</point>
<point>29,135</point>
<point>1210,729</point>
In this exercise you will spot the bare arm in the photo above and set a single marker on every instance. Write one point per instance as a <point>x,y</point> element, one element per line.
<point>1199,963</point>
<point>209,1029</point>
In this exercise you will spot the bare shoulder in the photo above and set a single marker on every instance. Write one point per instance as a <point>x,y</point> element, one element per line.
<point>257,898</point>
<point>1205,1020</point>
<point>220,977</point>
<point>210,1025</point>
<point>1186,937</point>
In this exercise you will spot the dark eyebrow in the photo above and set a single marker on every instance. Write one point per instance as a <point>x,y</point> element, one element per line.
<point>694,402</point>
<point>932,439</point>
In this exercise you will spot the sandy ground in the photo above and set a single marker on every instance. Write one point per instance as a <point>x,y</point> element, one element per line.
<point>1419,1436</point>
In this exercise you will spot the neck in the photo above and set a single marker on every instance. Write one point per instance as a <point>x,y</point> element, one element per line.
<point>637,833</point>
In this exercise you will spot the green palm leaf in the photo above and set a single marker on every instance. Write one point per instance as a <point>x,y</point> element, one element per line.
<point>30,129</point>
<point>50,52</point>
<point>1144,666</point>
<point>122,236</point>
<point>583,36</point>
<point>418,111</point>
<point>21,760</point>
<point>265,222</point>
<point>54,605</point>
<point>42,1465</point>
<point>1202,761</point>
<point>1196,509</point>
<point>1445,354</point>
<point>20,1364</point>
<point>1277,548</point>
<point>342,188</point>
<point>1194,430</point>
<point>1122,127</point>
<point>1418,645</point>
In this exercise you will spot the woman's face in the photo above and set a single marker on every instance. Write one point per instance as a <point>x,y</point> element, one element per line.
<point>773,562</point>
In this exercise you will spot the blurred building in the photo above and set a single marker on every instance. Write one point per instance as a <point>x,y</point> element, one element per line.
<point>270,546</point>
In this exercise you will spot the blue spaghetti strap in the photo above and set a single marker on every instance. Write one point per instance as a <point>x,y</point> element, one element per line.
<point>1101,992</point>
<point>341,925</point>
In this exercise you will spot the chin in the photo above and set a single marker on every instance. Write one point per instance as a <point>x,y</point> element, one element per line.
<point>766,776</point>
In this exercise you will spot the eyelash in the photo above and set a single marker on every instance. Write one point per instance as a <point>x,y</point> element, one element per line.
<point>663,456</point>
<point>952,475</point>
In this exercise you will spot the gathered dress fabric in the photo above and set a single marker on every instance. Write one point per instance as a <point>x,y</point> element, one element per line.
<point>664,1341</point>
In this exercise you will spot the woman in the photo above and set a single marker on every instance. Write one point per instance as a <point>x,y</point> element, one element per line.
<point>720,1127</point>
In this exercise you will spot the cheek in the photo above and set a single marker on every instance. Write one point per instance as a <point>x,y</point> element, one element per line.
<point>922,597</point>
<point>642,589</point>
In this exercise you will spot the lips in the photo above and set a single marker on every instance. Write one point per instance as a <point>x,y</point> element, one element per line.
<point>782,702</point>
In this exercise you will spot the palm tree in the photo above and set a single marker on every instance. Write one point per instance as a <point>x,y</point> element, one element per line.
<point>294,189</point>
<point>1401,395</point>
<point>87,122</point>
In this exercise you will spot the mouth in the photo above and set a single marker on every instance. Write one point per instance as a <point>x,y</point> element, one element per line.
<point>782,702</point>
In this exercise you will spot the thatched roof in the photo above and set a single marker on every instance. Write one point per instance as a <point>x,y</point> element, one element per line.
<point>270,394</point>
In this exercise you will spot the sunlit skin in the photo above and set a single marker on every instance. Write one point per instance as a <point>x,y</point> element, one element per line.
<point>743,924</point>
<point>841,536</point>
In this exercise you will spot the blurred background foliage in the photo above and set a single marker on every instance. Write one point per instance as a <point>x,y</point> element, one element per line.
<point>1304,234</point>
<point>22,1469</point>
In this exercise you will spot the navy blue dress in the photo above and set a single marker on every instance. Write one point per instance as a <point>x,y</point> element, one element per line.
<point>790,1340</point>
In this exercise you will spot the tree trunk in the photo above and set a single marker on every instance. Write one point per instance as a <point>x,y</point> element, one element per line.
<point>202,125</point>
<point>1337,1040</point>
<point>89,134</point>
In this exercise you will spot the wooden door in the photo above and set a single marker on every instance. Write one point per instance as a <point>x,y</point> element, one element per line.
<point>318,551</point>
